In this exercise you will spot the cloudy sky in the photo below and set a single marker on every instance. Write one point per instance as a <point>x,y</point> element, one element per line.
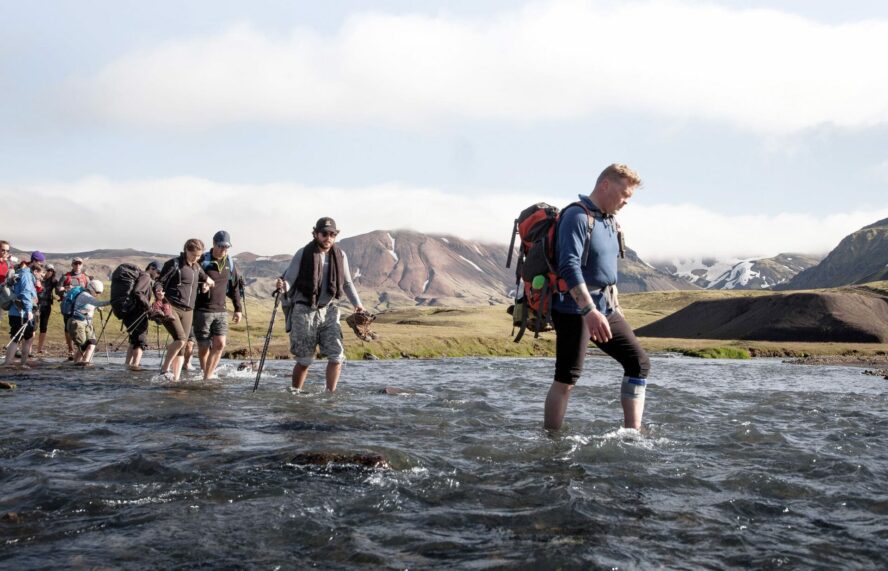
<point>758,127</point>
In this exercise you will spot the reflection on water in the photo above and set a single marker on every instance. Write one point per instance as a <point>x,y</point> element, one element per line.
<point>742,464</point>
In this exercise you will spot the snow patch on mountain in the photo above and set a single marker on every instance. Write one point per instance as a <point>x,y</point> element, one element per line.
<point>471,263</point>
<point>739,275</point>
<point>701,271</point>
<point>392,251</point>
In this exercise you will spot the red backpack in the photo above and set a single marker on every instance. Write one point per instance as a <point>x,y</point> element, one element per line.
<point>536,270</point>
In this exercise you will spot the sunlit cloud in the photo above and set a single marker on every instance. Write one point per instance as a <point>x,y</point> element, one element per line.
<point>758,70</point>
<point>159,215</point>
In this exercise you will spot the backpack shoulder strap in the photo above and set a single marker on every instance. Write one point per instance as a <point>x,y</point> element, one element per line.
<point>591,226</point>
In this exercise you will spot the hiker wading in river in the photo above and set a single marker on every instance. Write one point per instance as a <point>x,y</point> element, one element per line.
<point>318,275</point>
<point>178,284</point>
<point>590,308</point>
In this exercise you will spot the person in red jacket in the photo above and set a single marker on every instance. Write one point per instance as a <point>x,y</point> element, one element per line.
<point>76,277</point>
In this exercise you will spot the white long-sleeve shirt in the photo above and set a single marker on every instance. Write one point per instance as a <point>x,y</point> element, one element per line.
<point>86,304</point>
<point>324,297</point>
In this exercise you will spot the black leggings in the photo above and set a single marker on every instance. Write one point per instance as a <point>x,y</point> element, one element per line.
<point>45,311</point>
<point>572,338</point>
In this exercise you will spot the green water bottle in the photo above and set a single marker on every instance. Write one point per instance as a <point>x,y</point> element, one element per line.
<point>538,282</point>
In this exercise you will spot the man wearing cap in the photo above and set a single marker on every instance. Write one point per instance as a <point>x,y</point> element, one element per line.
<point>210,314</point>
<point>135,319</point>
<point>76,277</point>
<point>318,275</point>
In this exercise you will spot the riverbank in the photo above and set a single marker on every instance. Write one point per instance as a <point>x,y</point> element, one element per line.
<point>430,332</point>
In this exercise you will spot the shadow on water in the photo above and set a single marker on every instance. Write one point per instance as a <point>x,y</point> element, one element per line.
<point>741,464</point>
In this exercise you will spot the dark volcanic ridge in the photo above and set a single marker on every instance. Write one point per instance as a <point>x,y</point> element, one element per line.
<point>840,317</point>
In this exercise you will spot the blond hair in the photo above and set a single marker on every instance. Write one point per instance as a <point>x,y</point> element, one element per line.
<point>618,172</point>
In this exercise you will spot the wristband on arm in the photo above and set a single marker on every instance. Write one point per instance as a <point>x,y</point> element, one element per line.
<point>587,309</point>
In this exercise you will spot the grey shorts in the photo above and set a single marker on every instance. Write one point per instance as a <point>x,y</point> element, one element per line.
<point>313,328</point>
<point>208,324</point>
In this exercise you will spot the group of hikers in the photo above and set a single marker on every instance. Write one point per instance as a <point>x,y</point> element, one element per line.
<point>187,301</point>
<point>190,293</point>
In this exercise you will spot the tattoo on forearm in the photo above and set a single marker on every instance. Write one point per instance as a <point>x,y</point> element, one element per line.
<point>580,294</point>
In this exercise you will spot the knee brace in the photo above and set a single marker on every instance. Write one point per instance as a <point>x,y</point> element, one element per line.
<point>633,388</point>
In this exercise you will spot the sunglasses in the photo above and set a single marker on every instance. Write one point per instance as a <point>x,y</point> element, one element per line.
<point>6,251</point>
<point>326,234</point>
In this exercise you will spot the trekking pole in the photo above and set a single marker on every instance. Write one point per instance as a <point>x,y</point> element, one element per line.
<point>102,332</point>
<point>18,335</point>
<point>277,301</point>
<point>246,319</point>
<point>127,330</point>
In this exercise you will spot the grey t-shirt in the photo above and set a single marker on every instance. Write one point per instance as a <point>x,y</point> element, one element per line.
<point>296,296</point>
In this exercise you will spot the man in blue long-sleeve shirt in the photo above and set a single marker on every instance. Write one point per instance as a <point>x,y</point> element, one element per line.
<point>587,261</point>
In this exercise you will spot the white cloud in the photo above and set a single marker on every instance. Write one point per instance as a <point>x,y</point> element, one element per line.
<point>159,215</point>
<point>666,231</point>
<point>759,70</point>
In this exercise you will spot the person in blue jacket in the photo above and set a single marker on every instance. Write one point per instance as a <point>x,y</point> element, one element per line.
<point>587,261</point>
<point>23,313</point>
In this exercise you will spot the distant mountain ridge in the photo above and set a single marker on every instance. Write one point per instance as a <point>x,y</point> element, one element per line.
<point>860,257</point>
<point>396,268</point>
<point>738,273</point>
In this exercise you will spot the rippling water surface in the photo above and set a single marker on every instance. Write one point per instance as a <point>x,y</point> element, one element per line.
<point>743,464</point>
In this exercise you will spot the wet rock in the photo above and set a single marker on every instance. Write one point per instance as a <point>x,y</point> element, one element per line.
<point>877,372</point>
<point>341,460</point>
<point>370,357</point>
<point>245,366</point>
<point>7,385</point>
<point>11,517</point>
<point>397,391</point>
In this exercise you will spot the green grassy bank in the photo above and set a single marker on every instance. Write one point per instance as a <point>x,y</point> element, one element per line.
<point>486,331</point>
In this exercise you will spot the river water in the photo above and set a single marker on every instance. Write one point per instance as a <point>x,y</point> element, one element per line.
<point>743,464</point>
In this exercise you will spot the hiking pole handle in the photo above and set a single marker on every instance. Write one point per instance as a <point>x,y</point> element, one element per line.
<point>277,301</point>
<point>512,243</point>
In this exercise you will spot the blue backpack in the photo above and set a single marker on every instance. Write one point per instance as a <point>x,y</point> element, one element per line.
<point>70,300</point>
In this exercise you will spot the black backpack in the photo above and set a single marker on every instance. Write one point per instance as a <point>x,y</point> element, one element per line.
<point>123,282</point>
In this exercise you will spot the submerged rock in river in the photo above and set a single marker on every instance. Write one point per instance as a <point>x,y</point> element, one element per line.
<point>397,391</point>
<point>7,385</point>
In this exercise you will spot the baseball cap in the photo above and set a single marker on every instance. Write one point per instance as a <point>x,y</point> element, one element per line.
<point>153,265</point>
<point>222,239</point>
<point>77,259</point>
<point>37,256</point>
<point>50,267</point>
<point>327,224</point>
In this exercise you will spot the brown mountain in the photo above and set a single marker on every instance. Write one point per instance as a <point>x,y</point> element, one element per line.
<point>396,268</point>
<point>850,316</point>
<point>403,266</point>
<point>860,257</point>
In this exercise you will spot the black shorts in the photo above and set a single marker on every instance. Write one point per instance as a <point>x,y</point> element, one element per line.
<point>572,339</point>
<point>45,311</point>
<point>15,324</point>
<point>136,322</point>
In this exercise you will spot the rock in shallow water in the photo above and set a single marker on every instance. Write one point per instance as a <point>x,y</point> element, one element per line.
<point>397,391</point>
<point>7,385</point>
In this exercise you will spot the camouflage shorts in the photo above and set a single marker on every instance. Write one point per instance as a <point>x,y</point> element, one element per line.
<point>312,328</point>
<point>81,332</point>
